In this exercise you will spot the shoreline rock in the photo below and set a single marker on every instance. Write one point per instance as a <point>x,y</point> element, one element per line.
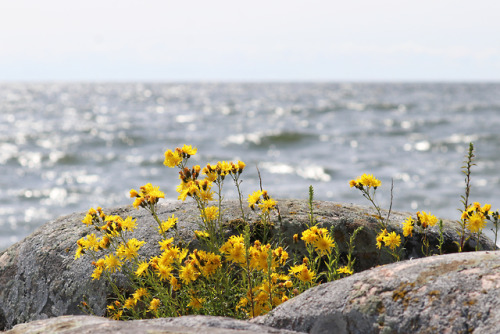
<point>39,278</point>
<point>186,325</point>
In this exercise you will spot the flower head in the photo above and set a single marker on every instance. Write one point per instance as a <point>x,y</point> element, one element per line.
<point>380,238</point>
<point>426,219</point>
<point>476,222</point>
<point>172,159</point>
<point>189,150</point>
<point>155,303</point>
<point>254,199</point>
<point>365,180</point>
<point>196,303</point>
<point>345,270</point>
<point>408,227</point>
<point>141,268</point>
<point>211,213</point>
<point>392,240</point>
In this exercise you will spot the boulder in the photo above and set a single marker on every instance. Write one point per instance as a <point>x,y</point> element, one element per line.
<point>455,293</point>
<point>39,277</point>
<point>188,325</point>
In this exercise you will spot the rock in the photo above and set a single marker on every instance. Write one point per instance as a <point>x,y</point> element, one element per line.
<point>456,293</point>
<point>39,278</point>
<point>187,325</point>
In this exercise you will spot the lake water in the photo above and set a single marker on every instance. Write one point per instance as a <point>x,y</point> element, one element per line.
<point>66,147</point>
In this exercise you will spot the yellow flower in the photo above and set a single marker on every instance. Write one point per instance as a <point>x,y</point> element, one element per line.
<point>112,263</point>
<point>237,253</point>
<point>155,303</point>
<point>426,219</point>
<point>92,243</point>
<point>141,268</point>
<point>163,272</point>
<point>165,244</point>
<point>172,159</point>
<point>476,222</point>
<point>196,303</point>
<point>97,273</point>
<point>138,202</point>
<point>380,238</point>
<point>353,183</point>
<point>167,225</point>
<point>211,213</point>
<point>392,240</point>
<point>408,227</point>
<point>130,303</point>
<point>187,149</point>
<point>345,270</point>
<point>148,193</point>
<point>88,220</point>
<point>258,256</point>
<point>173,282</point>
<point>201,234</point>
<point>129,224</point>
<point>207,262</point>
<point>228,249</point>
<point>117,315</point>
<point>370,181</point>
<point>302,273</point>
<point>168,256</point>
<point>188,273</point>
<point>306,275</point>
<point>267,204</point>
<point>324,244</point>
<point>310,235</point>
<point>282,254</point>
<point>99,263</point>
<point>139,293</point>
<point>241,166</point>
<point>152,193</point>
<point>223,168</point>
<point>254,198</point>
<point>206,195</point>
<point>129,250</point>
<point>79,252</point>
<point>486,209</point>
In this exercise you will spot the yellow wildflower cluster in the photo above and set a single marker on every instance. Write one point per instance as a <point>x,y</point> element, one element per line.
<point>302,272</point>
<point>254,276</point>
<point>176,157</point>
<point>223,168</point>
<point>365,180</point>
<point>408,226</point>
<point>262,199</point>
<point>267,295</point>
<point>196,303</point>
<point>426,219</point>
<point>234,249</point>
<point>261,254</point>
<point>319,238</point>
<point>148,195</point>
<point>391,240</point>
<point>111,227</point>
<point>475,216</point>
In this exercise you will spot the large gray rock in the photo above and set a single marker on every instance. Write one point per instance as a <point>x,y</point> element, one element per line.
<point>39,278</point>
<point>185,325</point>
<point>456,293</point>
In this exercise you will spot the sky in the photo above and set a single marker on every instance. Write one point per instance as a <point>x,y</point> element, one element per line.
<point>272,40</point>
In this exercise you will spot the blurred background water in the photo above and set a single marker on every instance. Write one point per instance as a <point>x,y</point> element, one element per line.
<point>66,147</point>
